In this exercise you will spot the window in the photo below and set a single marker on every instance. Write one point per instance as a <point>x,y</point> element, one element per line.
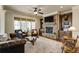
<point>29,25</point>
<point>24,25</point>
<point>33,25</point>
<point>16,24</point>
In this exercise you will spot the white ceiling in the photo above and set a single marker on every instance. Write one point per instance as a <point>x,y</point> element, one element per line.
<point>46,9</point>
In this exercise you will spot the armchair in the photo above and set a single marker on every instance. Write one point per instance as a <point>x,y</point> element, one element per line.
<point>21,34</point>
<point>69,46</point>
<point>34,33</point>
<point>18,33</point>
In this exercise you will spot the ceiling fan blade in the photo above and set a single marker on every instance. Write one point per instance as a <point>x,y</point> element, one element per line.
<point>40,12</point>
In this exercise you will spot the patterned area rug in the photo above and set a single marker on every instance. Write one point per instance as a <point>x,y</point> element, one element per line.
<point>43,45</point>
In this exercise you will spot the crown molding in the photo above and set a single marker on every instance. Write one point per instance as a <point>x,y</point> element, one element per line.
<point>50,14</point>
<point>65,12</point>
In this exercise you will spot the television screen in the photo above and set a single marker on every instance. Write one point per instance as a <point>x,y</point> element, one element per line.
<point>49,19</point>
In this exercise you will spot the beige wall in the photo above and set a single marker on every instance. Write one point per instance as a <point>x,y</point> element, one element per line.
<point>9,22</point>
<point>9,28</point>
<point>37,23</point>
<point>2,20</point>
<point>75,20</point>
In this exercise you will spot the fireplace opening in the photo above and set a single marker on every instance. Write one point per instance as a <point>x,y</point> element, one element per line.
<point>49,30</point>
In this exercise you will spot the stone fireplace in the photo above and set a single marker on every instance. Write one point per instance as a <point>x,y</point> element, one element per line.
<point>50,29</point>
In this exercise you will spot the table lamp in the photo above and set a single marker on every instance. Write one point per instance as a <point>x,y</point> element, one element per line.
<point>72,28</point>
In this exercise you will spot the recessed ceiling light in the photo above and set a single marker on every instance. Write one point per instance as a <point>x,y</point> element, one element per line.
<point>61,7</point>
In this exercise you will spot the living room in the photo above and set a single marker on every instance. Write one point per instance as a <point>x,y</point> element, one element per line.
<point>39,28</point>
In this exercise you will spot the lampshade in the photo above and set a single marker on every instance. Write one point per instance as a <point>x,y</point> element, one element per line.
<point>72,28</point>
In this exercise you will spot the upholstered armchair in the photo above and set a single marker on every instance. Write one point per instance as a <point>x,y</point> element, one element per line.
<point>69,46</point>
<point>21,34</point>
<point>18,33</point>
<point>34,33</point>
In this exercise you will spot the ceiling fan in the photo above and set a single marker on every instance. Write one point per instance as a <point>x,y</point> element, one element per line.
<point>37,11</point>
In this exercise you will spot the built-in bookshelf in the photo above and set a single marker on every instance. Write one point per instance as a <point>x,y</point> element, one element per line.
<point>64,23</point>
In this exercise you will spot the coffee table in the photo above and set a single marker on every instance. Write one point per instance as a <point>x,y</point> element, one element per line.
<point>31,39</point>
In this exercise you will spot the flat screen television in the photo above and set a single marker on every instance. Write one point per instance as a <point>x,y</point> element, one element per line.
<point>49,19</point>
